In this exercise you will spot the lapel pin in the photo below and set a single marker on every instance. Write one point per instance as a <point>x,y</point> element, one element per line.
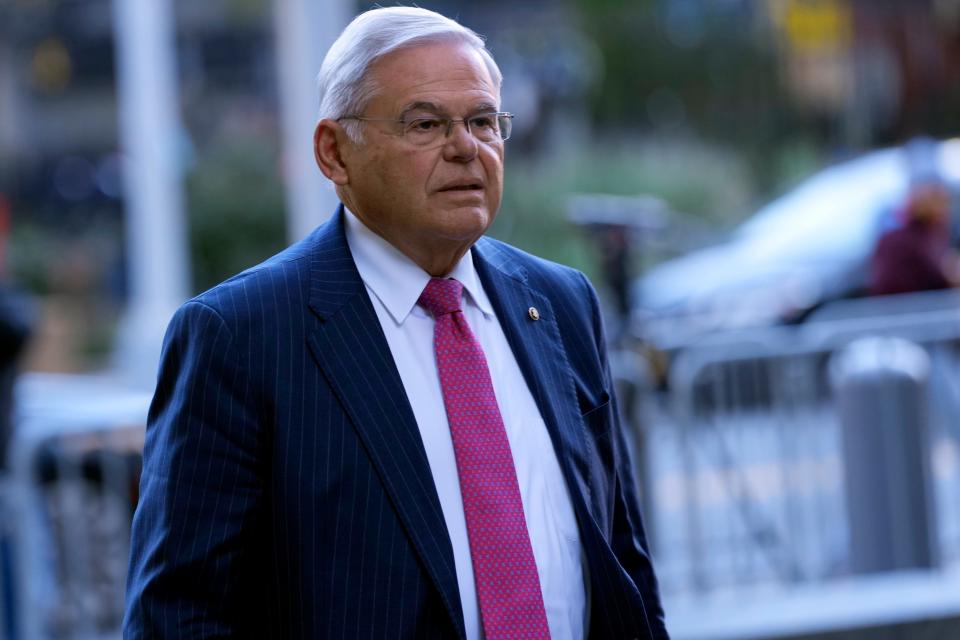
<point>533,313</point>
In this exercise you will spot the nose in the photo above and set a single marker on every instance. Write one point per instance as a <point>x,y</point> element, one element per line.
<point>459,144</point>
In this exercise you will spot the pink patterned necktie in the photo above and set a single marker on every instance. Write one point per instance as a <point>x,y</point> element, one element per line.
<point>508,587</point>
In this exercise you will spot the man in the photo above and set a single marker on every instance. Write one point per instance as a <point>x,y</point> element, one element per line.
<point>395,428</point>
<point>16,319</point>
<point>917,256</point>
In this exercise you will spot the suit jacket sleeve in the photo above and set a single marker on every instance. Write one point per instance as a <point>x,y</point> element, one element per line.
<point>201,489</point>
<point>628,539</point>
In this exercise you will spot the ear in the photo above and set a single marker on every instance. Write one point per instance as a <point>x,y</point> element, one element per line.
<point>328,139</point>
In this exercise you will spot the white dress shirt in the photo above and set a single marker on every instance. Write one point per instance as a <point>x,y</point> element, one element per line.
<point>394,283</point>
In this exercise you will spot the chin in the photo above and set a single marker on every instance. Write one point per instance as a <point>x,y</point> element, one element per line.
<point>473,222</point>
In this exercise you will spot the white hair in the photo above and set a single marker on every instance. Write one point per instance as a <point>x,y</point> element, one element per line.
<point>343,82</point>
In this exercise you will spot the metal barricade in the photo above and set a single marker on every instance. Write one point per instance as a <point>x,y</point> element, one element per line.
<point>881,389</point>
<point>748,461</point>
<point>75,467</point>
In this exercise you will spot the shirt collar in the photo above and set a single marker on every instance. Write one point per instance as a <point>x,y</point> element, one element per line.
<point>395,279</point>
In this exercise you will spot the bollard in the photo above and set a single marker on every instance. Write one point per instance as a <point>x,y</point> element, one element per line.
<point>880,388</point>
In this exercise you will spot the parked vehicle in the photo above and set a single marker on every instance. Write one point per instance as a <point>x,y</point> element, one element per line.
<point>804,249</point>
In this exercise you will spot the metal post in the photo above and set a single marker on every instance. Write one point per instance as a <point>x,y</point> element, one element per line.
<point>304,29</point>
<point>684,374</point>
<point>881,391</point>
<point>153,198</point>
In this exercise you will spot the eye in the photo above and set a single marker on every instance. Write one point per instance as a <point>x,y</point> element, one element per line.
<point>483,121</point>
<point>423,125</point>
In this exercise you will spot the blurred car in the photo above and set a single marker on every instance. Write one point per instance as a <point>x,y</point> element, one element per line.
<point>808,247</point>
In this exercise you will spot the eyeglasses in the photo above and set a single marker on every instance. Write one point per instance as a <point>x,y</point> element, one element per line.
<point>490,127</point>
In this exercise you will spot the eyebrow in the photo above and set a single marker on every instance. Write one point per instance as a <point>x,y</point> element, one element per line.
<point>421,106</point>
<point>485,106</point>
<point>436,109</point>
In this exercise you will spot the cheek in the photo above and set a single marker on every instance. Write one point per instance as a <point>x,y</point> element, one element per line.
<point>387,163</point>
<point>408,174</point>
<point>494,162</point>
<point>494,168</point>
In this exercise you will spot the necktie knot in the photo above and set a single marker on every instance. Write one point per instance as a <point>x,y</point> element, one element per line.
<point>441,296</point>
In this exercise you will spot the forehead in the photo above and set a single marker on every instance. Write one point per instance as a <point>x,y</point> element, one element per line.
<point>451,75</point>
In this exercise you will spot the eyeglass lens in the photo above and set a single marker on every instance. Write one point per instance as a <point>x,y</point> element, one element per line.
<point>488,127</point>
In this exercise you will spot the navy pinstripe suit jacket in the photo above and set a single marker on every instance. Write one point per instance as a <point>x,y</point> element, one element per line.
<point>286,492</point>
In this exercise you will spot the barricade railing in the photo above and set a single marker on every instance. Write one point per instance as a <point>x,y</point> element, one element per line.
<point>75,464</point>
<point>743,472</point>
<point>745,456</point>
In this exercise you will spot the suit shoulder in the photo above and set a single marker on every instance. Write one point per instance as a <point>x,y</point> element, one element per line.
<point>539,270</point>
<point>282,279</point>
<point>550,277</point>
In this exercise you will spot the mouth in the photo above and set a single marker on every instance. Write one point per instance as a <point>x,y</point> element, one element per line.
<point>462,185</point>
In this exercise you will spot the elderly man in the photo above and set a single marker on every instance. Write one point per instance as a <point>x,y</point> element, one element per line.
<point>395,428</point>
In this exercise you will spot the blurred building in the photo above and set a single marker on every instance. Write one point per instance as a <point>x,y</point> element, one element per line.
<point>873,72</point>
<point>58,113</point>
<point>60,165</point>
<point>58,101</point>
<point>61,169</point>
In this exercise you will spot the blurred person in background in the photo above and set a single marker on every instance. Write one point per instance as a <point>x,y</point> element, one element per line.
<point>15,328</point>
<point>395,428</point>
<point>916,255</point>
<point>15,324</point>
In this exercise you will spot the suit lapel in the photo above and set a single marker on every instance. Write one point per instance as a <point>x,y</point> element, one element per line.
<point>540,353</point>
<point>355,358</point>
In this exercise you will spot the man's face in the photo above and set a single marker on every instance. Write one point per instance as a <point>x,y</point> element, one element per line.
<point>430,202</point>
<point>930,204</point>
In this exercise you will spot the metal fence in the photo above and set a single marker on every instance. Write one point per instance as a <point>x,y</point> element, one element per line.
<point>743,474</point>
<point>67,507</point>
<point>745,459</point>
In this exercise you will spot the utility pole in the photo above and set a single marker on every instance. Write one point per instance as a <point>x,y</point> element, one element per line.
<point>157,257</point>
<point>304,30</point>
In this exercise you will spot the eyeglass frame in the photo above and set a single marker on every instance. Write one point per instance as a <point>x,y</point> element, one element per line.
<point>450,122</point>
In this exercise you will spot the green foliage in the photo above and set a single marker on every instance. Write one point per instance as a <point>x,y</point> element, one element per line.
<point>236,210</point>
<point>691,179</point>
<point>30,251</point>
<point>716,76</point>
